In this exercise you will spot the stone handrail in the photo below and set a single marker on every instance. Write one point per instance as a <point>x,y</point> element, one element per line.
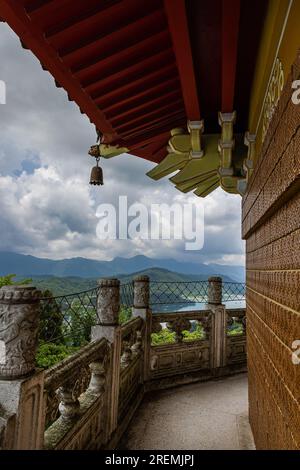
<point>68,368</point>
<point>67,380</point>
<point>87,400</point>
<point>72,388</point>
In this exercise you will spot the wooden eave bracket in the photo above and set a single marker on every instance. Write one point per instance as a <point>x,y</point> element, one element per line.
<point>107,150</point>
<point>182,147</point>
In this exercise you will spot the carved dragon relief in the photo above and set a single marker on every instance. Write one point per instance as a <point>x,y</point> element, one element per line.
<point>204,162</point>
<point>19,317</point>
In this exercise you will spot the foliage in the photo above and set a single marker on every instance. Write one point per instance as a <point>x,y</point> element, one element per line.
<point>236,329</point>
<point>165,336</point>
<point>125,314</point>
<point>49,354</point>
<point>51,320</point>
<point>8,280</point>
<point>79,323</point>
<point>64,285</point>
<point>196,333</point>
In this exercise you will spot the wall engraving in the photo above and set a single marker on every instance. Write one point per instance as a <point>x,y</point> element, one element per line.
<point>273,94</point>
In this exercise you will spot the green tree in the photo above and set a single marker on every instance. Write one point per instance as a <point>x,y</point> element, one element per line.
<point>8,280</point>
<point>125,314</point>
<point>79,321</point>
<point>51,320</point>
<point>49,354</point>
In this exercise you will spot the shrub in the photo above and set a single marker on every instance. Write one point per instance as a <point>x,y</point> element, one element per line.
<point>49,354</point>
<point>165,336</point>
<point>8,280</point>
<point>125,314</point>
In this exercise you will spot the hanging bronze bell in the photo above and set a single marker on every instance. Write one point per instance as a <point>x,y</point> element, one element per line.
<point>96,175</point>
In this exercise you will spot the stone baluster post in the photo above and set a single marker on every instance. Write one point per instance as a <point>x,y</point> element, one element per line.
<point>21,386</point>
<point>142,309</point>
<point>108,307</point>
<point>219,323</point>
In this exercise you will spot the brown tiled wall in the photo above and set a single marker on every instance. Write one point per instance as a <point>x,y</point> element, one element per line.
<point>271,227</point>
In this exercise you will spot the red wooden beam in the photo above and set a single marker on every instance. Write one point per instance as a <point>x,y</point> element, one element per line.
<point>114,40</point>
<point>147,117</point>
<point>105,97</point>
<point>136,99</point>
<point>157,124</point>
<point>142,50</point>
<point>230,33</point>
<point>178,26</point>
<point>151,139</point>
<point>14,14</point>
<point>149,105</point>
<point>125,75</point>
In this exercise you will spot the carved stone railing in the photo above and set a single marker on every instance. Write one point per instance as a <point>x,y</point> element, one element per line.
<point>75,397</point>
<point>236,348</point>
<point>131,374</point>
<point>185,354</point>
<point>87,400</point>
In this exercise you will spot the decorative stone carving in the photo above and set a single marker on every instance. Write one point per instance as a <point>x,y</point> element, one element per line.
<point>156,326</point>
<point>206,324</point>
<point>138,344</point>
<point>240,319</point>
<point>98,378</point>
<point>141,292</point>
<point>178,326</point>
<point>127,354</point>
<point>108,302</point>
<point>215,290</point>
<point>69,405</point>
<point>272,97</point>
<point>19,321</point>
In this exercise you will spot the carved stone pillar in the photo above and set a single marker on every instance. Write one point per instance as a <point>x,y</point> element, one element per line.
<point>141,292</point>
<point>141,308</point>
<point>19,321</point>
<point>69,406</point>
<point>98,378</point>
<point>108,308</point>
<point>219,323</point>
<point>215,290</point>
<point>21,388</point>
<point>108,302</point>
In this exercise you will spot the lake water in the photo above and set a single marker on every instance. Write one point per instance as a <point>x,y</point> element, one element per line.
<point>168,308</point>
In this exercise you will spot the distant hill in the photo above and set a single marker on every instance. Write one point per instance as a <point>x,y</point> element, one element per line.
<point>26,265</point>
<point>69,285</point>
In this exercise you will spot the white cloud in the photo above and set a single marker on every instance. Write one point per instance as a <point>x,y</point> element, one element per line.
<point>50,211</point>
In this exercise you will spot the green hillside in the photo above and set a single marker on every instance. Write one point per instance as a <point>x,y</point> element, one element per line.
<point>69,285</point>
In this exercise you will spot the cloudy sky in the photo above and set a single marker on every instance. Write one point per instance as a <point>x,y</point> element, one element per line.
<point>48,209</point>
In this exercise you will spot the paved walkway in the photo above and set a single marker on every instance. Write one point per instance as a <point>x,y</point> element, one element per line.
<point>210,415</point>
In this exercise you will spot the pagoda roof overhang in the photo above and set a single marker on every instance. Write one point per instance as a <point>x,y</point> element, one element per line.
<point>138,69</point>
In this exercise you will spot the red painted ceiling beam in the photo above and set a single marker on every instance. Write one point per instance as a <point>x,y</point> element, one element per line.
<point>137,143</point>
<point>138,98</point>
<point>14,14</point>
<point>101,13</point>
<point>145,118</point>
<point>158,123</point>
<point>142,67</point>
<point>230,35</point>
<point>178,26</point>
<point>105,97</point>
<point>140,51</point>
<point>113,41</point>
<point>149,105</point>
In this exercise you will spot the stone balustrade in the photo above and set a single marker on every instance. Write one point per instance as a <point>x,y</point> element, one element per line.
<point>87,400</point>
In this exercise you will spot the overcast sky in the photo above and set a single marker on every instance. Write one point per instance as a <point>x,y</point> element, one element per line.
<point>48,209</point>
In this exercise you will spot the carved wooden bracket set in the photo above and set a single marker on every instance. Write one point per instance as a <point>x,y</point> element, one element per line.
<point>204,162</point>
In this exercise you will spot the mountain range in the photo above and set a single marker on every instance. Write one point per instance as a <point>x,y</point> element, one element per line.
<point>31,266</point>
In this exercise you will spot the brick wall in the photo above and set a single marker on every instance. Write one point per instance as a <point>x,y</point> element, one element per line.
<point>271,227</point>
